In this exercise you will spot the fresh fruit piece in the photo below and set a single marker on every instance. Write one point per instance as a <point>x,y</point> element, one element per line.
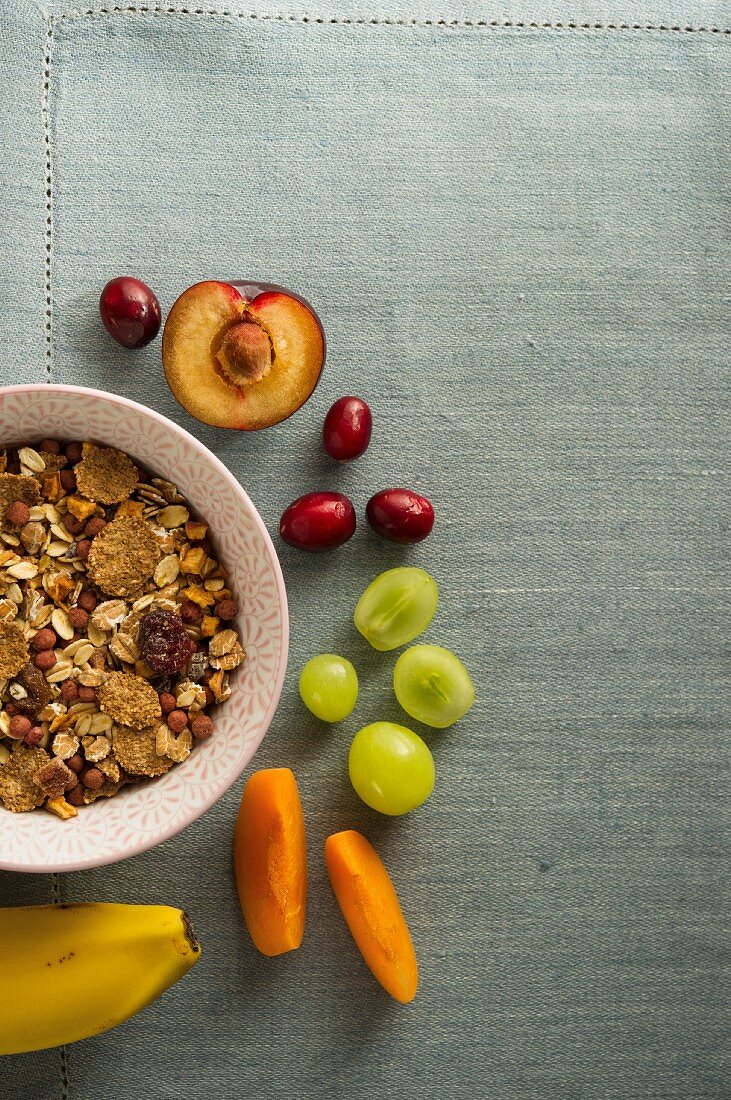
<point>242,355</point>
<point>163,641</point>
<point>346,432</point>
<point>370,905</point>
<point>76,970</point>
<point>400,515</point>
<point>391,768</point>
<point>433,686</point>
<point>270,861</point>
<point>318,521</point>
<point>396,607</point>
<point>130,312</point>
<point>329,687</point>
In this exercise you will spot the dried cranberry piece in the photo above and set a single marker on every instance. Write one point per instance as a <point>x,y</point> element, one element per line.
<point>164,642</point>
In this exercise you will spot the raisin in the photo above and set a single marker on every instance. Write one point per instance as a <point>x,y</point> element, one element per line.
<point>163,641</point>
<point>38,691</point>
<point>198,665</point>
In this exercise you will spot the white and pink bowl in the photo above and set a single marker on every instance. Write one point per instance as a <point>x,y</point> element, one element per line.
<point>144,815</point>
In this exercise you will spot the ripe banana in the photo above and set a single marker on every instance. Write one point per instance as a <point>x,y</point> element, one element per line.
<point>70,971</point>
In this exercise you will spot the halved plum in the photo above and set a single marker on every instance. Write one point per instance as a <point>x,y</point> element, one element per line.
<point>244,355</point>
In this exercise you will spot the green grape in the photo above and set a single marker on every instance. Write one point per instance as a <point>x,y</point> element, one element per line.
<point>391,768</point>
<point>329,687</point>
<point>396,607</point>
<point>432,685</point>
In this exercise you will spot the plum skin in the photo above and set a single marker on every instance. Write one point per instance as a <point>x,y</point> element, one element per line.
<point>400,515</point>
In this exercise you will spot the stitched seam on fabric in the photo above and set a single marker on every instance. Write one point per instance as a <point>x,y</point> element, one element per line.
<point>384,21</point>
<point>46,123</point>
<point>644,588</point>
<point>63,1053</point>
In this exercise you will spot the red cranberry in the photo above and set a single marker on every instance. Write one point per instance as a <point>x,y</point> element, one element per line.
<point>130,312</point>
<point>164,642</point>
<point>346,432</point>
<point>400,515</point>
<point>318,521</point>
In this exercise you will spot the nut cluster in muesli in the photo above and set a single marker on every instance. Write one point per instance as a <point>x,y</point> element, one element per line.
<point>116,631</point>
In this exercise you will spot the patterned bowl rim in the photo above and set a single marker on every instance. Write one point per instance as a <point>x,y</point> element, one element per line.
<point>167,831</point>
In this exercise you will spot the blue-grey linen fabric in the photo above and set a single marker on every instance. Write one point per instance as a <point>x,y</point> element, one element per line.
<point>514,222</point>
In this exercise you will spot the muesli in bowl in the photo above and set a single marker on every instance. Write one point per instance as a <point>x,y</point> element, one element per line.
<point>116,626</point>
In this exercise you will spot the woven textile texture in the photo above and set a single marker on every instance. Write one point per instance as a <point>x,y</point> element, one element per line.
<point>514,222</point>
